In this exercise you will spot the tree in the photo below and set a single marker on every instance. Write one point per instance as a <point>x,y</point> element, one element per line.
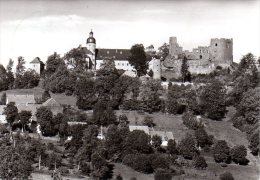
<point>185,70</point>
<point>99,164</point>
<point>199,162</point>
<point>148,121</point>
<point>123,121</point>
<point>37,151</point>
<point>11,113</point>
<point>76,58</point>
<point>172,147</point>
<point>213,100</point>
<point>156,141</point>
<point>190,120</point>
<point>52,64</point>
<point>14,163</point>
<point>10,75</point>
<point>30,79</point>
<point>149,95</point>
<point>221,151</point>
<point>114,142</point>
<point>24,117</point>
<point>245,77</point>
<point>226,176</point>
<point>138,59</point>
<point>238,154</point>
<point>202,138</point>
<point>249,105</point>
<point>254,142</point>
<point>103,114</point>
<point>3,78</point>
<point>187,147</point>
<point>45,119</point>
<point>20,69</point>
<point>137,142</point>
<point>139,162</point>
<point>164,51</point>
<point>45,96</point>
<point>85,93</point>
<point>3,99</point>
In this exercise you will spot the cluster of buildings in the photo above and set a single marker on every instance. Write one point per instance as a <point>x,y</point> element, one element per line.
<point>27,102</point>
<point>201,60</point>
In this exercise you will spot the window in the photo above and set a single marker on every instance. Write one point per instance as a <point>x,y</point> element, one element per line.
<point>200,56</point>
<point>216,44</point>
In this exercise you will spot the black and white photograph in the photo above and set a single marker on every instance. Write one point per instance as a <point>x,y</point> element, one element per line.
<point>129,89</point>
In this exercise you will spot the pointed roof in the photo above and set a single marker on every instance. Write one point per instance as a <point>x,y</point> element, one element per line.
<point>37,60</point>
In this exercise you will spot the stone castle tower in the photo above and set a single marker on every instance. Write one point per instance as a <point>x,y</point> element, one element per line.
<point>221,51</point>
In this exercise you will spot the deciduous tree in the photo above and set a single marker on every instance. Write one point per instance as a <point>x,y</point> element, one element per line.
<point>138,59</point>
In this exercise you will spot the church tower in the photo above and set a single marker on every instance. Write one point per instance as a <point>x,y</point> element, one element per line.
<point>91,46</point>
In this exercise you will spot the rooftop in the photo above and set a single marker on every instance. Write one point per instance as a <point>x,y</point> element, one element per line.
<point>20,99</point>
<point>115,54</point>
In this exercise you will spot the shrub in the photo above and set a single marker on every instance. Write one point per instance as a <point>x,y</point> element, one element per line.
<point>199,162</point>
<point>226,176</point>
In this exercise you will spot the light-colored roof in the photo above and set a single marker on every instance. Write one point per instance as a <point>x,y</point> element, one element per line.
<point>165,135</point>
<point>21,99</point>
<point>142,128</point>
<point>51,102</point>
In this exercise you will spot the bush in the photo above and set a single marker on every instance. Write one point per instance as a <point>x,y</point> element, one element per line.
<point>226,176</point>
<point>200,163</point>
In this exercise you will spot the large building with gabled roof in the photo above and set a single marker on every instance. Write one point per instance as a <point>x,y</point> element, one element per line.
<point>97,56</point>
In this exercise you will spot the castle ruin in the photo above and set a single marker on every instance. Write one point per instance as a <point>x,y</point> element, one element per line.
<point>201,60</point>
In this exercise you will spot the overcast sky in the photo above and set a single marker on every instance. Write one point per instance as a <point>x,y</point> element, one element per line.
<point>32,28</point>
